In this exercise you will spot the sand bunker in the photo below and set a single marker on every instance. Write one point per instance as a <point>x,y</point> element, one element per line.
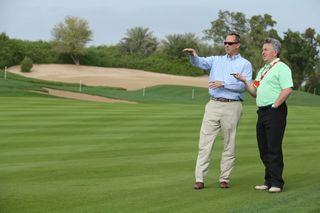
<point>129,79</point>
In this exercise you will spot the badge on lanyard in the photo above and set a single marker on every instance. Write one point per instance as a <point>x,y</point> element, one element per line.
<point>256,83</point>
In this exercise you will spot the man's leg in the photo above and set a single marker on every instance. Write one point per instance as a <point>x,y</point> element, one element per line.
<point>275,134</point>
<point>263,144</point>
<point>209,130</point>
<point>230,120</point>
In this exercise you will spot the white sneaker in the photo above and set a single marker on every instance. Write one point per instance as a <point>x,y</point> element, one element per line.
<point>275,189</point>
<point>261,188</point>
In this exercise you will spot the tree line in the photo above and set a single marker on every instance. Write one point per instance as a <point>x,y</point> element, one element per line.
<point>140,49</point>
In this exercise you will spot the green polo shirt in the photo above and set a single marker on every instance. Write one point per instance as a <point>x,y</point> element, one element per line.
<point>278,78</point>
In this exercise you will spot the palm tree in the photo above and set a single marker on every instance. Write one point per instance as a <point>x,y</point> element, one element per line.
<point>174,44</point>
<point>139,41</point>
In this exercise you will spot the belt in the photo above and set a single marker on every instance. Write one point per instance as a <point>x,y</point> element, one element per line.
<point>223,99</point>
<point>270,106</point>
<point>265,107</point>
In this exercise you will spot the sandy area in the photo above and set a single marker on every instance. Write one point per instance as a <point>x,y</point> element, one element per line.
<point>129,79</point>
<point>81,96</point>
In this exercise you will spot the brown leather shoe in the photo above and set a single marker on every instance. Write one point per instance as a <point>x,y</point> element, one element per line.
<point>224,185</point>
<point>198,185</point>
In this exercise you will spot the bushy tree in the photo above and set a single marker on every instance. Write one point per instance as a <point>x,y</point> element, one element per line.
<point>226,22</point>
<point>71,37</point>
<point>139,41</point>
<point>301,52</point>
<point>260,28</point>
<point>26,65</point>
<point>39,51</point>
<point>252,31</point>
<point>206,49</point>
<point>7,52</point>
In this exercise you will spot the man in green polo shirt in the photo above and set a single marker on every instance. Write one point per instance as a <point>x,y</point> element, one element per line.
<point>272,87</point>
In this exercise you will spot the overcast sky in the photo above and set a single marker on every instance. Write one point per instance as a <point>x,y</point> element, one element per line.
<point>110,19</point>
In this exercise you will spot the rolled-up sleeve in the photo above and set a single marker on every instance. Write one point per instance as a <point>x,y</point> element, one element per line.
<point>202,62</point>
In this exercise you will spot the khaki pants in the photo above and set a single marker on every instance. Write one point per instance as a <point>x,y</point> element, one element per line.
<point>218,115</point>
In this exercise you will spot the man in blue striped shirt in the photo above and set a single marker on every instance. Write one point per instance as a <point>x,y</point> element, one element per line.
<point>224,109</point>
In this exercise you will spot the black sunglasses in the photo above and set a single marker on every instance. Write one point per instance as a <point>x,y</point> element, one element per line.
<point>230,43</point>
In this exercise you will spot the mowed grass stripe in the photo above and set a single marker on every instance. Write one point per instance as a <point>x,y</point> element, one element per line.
<point>60,155</point>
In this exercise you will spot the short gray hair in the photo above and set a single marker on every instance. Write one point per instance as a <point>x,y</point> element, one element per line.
<point>275,44</point>
<point>236,35</point>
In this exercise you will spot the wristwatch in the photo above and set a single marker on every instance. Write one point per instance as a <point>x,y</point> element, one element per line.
<point>274,106</point>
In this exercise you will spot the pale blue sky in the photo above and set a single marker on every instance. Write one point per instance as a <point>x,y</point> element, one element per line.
<point>109,19</point>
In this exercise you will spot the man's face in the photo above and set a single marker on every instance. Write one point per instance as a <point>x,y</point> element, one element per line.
<point>230,46</point>
<point>268,53</point>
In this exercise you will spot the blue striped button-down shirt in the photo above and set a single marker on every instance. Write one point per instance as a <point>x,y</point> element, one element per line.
<point>220,69</point>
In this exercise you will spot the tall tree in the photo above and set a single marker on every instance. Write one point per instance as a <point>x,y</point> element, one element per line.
<point>71,36</point>
<point>314,40</point>
<point>138,40</point>
<point>252,31</point>
<point>226,22</point>
<point>6,52</point>
<point>260,27</point>
<point>301,52</point>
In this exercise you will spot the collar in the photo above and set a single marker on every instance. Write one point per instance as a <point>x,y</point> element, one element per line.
<point>272,62</point>
<point>231,58</point>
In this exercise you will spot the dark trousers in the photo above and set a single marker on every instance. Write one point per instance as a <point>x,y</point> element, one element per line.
<point>270,129</point>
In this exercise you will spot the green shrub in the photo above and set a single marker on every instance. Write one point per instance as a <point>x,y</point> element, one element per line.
<point>110,56</point>
<point>26,65</point>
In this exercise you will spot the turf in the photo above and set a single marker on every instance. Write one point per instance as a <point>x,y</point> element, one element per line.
<point>60,155</point>
<point>74,156</point>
